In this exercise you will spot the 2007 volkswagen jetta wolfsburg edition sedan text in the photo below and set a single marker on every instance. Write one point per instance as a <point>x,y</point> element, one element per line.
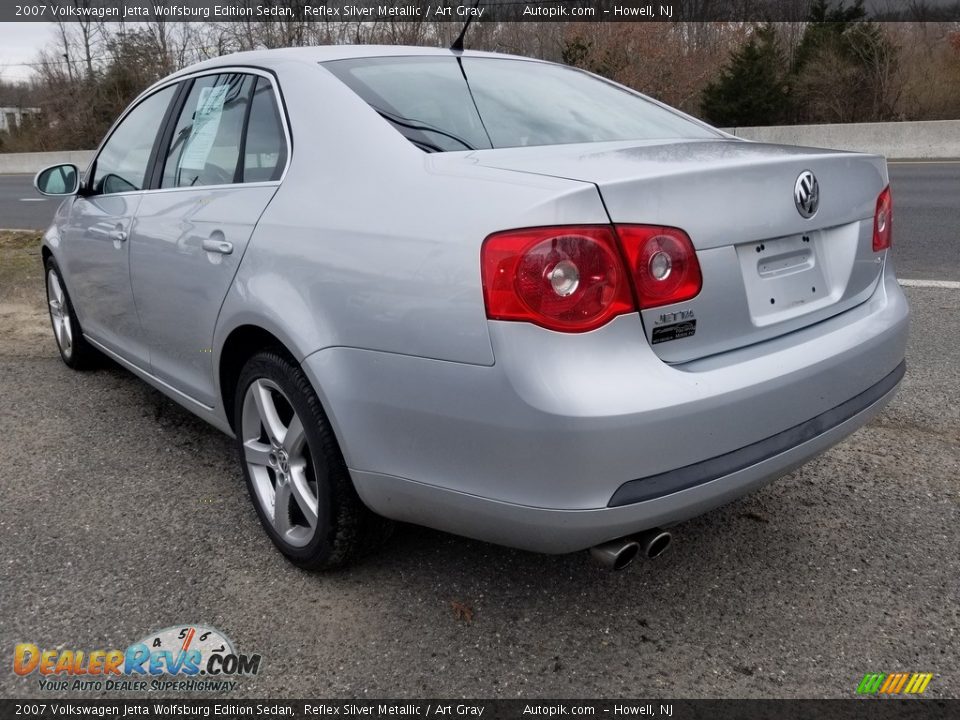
<point>495,296</point>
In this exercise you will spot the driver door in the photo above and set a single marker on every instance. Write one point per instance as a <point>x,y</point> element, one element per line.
<point>95,251</point>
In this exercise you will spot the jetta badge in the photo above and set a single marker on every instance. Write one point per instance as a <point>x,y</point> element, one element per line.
<point>806,194</point>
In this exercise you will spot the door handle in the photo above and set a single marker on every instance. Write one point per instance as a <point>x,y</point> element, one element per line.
<point>119,235</point>
<point>218,246</point>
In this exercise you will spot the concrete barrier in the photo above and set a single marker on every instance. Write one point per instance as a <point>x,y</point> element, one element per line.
<point>932,139</point>
<point>13,163</point>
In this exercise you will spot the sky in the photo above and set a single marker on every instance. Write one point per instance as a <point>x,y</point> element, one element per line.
<point>20,43</point>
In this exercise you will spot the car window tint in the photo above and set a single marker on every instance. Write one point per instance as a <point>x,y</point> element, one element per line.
<point>526,103</point>
<point>425,98</point>
<point>439,103</point>
<point>121,165</point>
<point>206,143</point>
<point>265,149</point>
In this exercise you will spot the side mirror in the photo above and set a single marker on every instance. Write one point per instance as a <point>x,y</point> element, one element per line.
<point>58,180</point>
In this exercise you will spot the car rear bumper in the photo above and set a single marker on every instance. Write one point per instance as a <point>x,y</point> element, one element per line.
<point>543,450</point>
<point>558,531</point>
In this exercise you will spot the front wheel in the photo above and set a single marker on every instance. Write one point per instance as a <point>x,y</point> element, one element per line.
<point>294,470</point>
<point>74,349</point>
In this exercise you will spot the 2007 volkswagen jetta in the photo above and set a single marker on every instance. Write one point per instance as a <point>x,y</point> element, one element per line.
<point>491,295</point>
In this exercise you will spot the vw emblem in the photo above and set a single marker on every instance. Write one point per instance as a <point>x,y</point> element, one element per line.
<point>806,194</point>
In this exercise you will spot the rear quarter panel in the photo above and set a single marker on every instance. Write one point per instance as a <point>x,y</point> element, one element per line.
<point>371,243</point>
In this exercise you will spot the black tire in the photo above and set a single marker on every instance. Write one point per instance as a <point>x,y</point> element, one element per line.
<point>345,528</point>
<point>76,353</point>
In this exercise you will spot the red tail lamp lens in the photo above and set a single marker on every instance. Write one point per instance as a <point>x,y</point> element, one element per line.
<point>569,279</point>
<point>663,262</point>
<point>883,221</point>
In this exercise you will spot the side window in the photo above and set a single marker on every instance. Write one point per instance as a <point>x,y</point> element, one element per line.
<point>122,164</point>
<point>265,151</point>
<point>207,140</point>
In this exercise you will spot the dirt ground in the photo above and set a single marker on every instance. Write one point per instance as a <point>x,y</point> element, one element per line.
<point>23,318</point>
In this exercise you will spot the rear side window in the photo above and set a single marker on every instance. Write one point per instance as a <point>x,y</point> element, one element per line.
<point>265,150</point>
<point>469,103</point>
<point>207,140</point>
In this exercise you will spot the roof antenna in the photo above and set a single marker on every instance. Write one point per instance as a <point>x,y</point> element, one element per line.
<point>458,43</point>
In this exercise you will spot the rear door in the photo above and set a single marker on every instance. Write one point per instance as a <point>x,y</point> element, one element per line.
<point>219,167</point>
<point>95,250</point>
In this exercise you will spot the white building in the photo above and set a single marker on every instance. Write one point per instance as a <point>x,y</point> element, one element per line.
<point>12,117</point>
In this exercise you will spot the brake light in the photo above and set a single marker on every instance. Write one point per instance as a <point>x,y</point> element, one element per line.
<point>663,263</point>
<point>573,278</point>
<point>883,221</point>
<point>569,279</point>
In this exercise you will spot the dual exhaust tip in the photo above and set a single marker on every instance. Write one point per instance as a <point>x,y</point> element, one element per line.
<point>617,554</point>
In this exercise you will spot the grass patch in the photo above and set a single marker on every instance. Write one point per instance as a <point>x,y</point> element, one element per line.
<point>20,240</point>
<point>21,272</point>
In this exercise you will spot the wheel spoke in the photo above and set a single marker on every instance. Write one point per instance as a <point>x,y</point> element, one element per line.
<point>53,288</point>
<point>267,410</point>
<point>281,508</point>
<point>67,333</point>
<point>293,439</point>
<point>303,495</point>
<point>58,329</point>
<point>256,452</point>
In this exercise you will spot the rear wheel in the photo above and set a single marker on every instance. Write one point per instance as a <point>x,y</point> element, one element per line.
<point>294,470</point>
<point>74,349</point>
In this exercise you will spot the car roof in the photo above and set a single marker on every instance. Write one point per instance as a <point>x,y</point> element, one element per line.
<point>323,53</point>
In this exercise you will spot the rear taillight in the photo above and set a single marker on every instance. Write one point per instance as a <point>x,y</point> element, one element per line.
<point>663,264</point>
<point>573,279</point>
<point>883,221</point>
<point>562,278</point>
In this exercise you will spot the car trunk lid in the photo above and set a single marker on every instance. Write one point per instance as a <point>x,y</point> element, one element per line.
<point>767,270</point>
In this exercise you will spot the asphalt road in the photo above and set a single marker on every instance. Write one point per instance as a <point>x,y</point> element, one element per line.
<point>926,200</point>
<point>22,207</point>
<point>123,514</point>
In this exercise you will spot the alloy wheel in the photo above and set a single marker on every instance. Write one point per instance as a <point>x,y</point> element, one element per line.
<point>279,462</point>
<point>59,313</point>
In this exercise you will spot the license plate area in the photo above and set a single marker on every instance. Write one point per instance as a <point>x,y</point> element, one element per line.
<point>785,277</point>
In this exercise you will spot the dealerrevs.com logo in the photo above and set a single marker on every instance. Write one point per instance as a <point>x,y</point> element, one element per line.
<point>183,658</point>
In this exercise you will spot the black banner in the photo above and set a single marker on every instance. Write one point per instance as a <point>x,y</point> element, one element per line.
<point>456,11</point>
<point>882,709</point>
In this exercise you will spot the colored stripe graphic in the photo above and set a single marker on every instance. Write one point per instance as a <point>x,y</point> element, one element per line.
<point>894,683</point>
<point>918,683</point>
<point>870,683</point>
<point>890,682</point>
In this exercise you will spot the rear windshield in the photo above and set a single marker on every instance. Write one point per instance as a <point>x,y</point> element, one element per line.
<point>469,103</point>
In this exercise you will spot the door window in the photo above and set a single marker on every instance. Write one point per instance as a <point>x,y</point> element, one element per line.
<point>207,141</point>
<point>122,164</point>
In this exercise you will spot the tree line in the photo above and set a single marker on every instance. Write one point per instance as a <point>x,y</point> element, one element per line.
<point>836,65</point>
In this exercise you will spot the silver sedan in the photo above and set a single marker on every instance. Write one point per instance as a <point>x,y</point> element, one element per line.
<point>498,297</point>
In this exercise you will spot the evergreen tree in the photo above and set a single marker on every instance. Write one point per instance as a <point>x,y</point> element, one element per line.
<point>752,89</point>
